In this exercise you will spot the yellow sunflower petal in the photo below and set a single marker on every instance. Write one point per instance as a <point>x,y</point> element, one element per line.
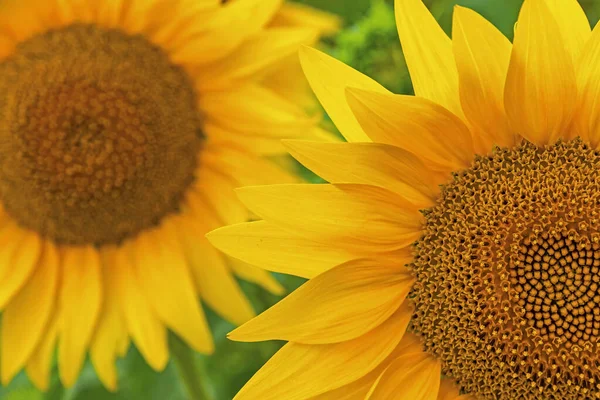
<point>208,3</point>
<point>137,16</point>
<point>329,78</point>
<point>18,265</point>
<point>110,330</point>
<point>181,25</point>
<point>587,116</point>
<point>164,276</point>
<point>258,144</point>
<point>124,344</point>
<point>540,90</point>
<point>214,281</point>
<point>244,168</point>
<point>148,333</point>
<point>350,215</point>
<point>80,302</point>
<point>258,53</point>
<point>415,375</point>
<point>375,164</point>
<point>255,110</point>
<point>414,124</point>
<point>7,46</point>
<point>25,318</point>
<point>296,14</point>
<point>288,81</point>
<point>573,24</point>
<point>10,236</point>
<point>251,143</point>
<point>108,12</point>
<point>256,275</point>
<point>20,21</point>
<point>428,53</point>
<point>338,305</point>
<point>218,190</point>
<point>482,55</point>
<point>359,389</point>
<point>158,19</point>
<point>299,371</point>
<point>356,390</point>
<point>39,364</point>
<point>63,11</point>
<point>218,39</point>
<point>448,390</point>
<point>268,246</point>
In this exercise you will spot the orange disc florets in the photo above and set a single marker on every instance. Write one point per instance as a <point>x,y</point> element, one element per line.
<point>99,134</point>
<point>508,291</point>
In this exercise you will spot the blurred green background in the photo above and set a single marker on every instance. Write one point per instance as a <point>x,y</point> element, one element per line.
<point>369,43</point>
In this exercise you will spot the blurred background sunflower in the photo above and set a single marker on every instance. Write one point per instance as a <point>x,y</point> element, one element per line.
<point>368,41</point>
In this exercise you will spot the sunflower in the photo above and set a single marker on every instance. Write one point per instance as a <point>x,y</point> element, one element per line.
<point>455,253</point>
<point>125,125</point>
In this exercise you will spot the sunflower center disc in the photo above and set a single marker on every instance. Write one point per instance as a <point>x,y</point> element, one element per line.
<point>508,275</point>
<point>99,134</point>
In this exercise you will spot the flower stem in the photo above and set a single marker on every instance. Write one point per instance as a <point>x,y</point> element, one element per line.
<point>194,377</point>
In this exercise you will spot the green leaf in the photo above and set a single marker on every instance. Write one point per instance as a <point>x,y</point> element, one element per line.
<point>372,47</point>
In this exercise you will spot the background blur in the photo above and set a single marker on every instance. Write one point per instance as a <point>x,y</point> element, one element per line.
<point>369,43</point>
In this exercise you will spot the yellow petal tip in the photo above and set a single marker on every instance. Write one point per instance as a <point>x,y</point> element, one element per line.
<point>67,379</point>
<point>216,234</point>
<point>41,383</point>
<point>6,377</point>
<point>354,92</point>
<point>306,51</point>
<point>291,142</point>
<point>111,385</point>
<point>157,363</point>
<point>235,335</point>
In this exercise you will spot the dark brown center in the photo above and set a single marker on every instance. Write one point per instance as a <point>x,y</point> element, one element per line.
<point>99,134</point>
<point>508,286</point>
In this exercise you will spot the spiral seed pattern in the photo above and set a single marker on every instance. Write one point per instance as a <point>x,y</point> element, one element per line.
<point>507,288</point>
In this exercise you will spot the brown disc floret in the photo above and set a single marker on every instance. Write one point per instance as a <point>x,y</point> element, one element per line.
<point>507,291</point>
<point>99,134</point>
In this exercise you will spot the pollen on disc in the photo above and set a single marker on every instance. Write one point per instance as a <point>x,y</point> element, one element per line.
<point>507,291</point>
<point>99,134</point>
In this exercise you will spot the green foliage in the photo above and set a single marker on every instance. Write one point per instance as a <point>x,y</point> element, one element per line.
<point>503,14</point>
<point>592,9</point>
<point>372,47</point>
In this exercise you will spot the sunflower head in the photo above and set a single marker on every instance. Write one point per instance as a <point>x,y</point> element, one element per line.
<point>125,126</point>
<point>105,145</point>
<point>455,253</point>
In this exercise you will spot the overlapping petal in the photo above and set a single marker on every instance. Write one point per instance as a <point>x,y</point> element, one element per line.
<point>355,216</point>
<point>482,55</point>
<point>341,304</point>
<point>375,164</point>
<point>540,90</point>
<point>300,371</point>
<point>415,124</point>
<point>329,78</point>
<point>80,305</point>
<point>26,316</point>
<point>267,245</point>
<point>587,117</point>
<point>428,53</point>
